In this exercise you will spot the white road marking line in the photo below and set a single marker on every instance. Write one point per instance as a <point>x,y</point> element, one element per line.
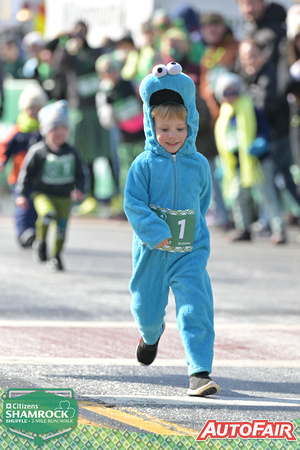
<point>65,324</point>
<point>277,363</point>
<point>36,360</point>
<point>224,401</point>
<point>130,324</point>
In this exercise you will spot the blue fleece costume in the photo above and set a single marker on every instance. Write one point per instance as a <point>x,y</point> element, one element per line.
<point>176,182</point>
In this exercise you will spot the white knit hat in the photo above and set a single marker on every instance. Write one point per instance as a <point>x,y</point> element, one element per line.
<point>53,115</point>
<point>32,95</point>
<point>226,80</point>
<point>31,40</point>
<point>293,22</point>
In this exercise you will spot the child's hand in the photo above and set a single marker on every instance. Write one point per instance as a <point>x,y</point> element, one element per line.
<point>77,195</point>
<point>22,202</point>
<point>258,147</point>
<point>163,243</point>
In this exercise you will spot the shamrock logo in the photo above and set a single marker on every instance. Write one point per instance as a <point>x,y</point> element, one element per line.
<point>64,405</point>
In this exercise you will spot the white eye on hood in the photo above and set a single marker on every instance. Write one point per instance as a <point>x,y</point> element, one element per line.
<point>159,71</point>
<point>174,68</point>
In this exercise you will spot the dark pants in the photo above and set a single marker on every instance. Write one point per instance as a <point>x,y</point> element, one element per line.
<point>282,155</point>
<point>25,218</point>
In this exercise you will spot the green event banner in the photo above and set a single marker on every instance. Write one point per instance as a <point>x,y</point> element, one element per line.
<point>90,437</point>
<point>40,412</point>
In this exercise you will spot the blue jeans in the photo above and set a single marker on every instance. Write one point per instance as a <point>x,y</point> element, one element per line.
<point>25,218</point>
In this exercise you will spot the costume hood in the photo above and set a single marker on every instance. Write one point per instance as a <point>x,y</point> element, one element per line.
<point>168,84</point>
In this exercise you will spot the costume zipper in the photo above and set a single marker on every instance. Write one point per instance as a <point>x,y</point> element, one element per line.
<point>175,181</point>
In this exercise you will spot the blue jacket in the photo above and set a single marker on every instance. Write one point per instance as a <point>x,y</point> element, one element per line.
<point>180,181</point>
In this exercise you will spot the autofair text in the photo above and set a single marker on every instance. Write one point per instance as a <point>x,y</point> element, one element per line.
<point>257,429</point>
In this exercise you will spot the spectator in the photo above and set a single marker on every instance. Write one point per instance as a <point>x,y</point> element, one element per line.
<point>1,90</point>
<point>161,22</point>
<point>242,137</point>
<point>293,60</point>
<point>78,64</point>
<point>118,104</point>
<point>265,21</point>
<point>219,57</point>
<point>15,146</point>
<point>175,46</point>
<point>48,72</point>
<point>140,60</point>
<point>205,143</point>
<point>45,66</point>
<point>184,16</point>
<point>33,43</point>
<point>123,47</point>
<point>12,58</point>
<point>261,80</point>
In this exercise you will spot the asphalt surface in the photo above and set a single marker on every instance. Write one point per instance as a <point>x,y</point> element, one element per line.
<point>74,330</point>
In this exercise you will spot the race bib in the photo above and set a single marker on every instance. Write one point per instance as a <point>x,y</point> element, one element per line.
<point>88,85</point>
<point>182,226</point>
<point>59,169</point>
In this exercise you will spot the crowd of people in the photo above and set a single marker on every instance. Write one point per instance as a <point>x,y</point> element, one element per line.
<point>247,96</point>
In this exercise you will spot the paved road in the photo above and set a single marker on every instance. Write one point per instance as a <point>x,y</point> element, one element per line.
<point>74,330</point>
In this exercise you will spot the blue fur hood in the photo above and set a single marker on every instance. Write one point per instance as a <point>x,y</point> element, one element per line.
<point>168,83</point>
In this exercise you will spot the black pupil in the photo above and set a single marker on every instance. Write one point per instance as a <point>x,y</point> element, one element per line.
<point>159,70</point>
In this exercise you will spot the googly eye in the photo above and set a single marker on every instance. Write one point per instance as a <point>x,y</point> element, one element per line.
<point>174,68</point>
<point>159,71</point>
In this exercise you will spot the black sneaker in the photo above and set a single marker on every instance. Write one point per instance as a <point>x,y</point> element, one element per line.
<point>27,237</point>
<point>39,251</point>
<point>201,385</point>
<point>239,236</point>
<point>145,353</point>
<point>55,264</point>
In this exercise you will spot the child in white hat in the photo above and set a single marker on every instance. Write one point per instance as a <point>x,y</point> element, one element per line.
<point>14,148</point>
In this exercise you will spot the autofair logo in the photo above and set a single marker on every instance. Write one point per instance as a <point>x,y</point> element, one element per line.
<point>257,429</point>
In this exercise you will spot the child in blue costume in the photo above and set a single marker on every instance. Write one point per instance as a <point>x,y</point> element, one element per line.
<point>167,195</point>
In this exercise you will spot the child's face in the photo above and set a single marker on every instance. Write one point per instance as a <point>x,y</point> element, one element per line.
<point>251,10</point>
<point>171,133</point>
<point>32,111</point>
<point>57,136</point>
<point>213,33</point>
